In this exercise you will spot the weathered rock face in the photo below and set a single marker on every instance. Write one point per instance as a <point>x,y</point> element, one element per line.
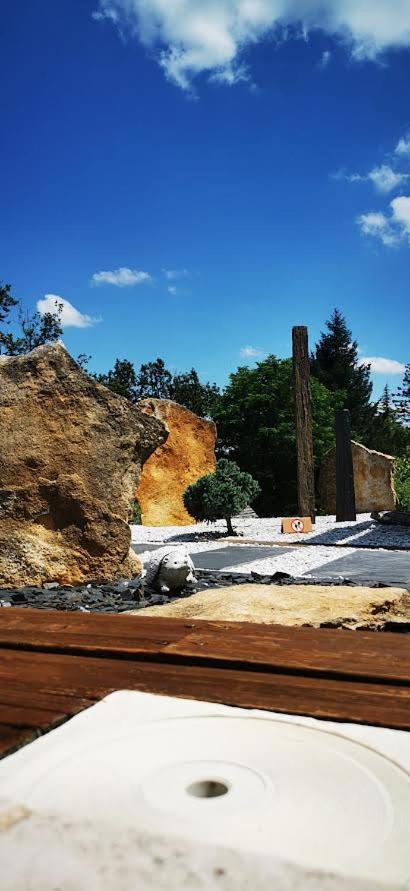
<point>70,458</point>
<point>373,480</point>
<point>187,455</point>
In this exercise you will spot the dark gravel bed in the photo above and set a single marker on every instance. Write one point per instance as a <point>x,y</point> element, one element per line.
<point>128,594</point>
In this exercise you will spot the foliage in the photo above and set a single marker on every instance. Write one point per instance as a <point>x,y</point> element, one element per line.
<point>121,379</point>
<point>35,329</point>
<point>221,495</point>
<point>255,421</point>
<point>154,381</point>
<point>187,390</point>
<point>387,434</point>
<point>401,399</point>
<point>136,513</point>
<point>335,363</point>
<point>402,480</point>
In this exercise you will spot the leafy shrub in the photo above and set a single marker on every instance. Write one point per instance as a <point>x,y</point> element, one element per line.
<point>221,495</point>
<point>402,481</point>
<point>136,513</point>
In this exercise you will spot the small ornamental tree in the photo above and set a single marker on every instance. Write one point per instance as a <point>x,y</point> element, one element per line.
<point>221,495</point>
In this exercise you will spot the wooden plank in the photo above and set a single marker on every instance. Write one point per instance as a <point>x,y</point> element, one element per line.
<point>366,655</point>
<point>11,738</point>
<point>350,654</point>
<point>55,702</point>
<point>380,704</point>
<point>26,716</point>
<point>303,422</point>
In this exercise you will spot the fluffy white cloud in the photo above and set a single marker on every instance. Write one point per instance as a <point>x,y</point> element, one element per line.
<point>194,36</point>
<point>391,230</point>
<point>122,277</point>
<point>384,178</point>
<point>403,146</point>
<point>70,316</point>
<point>250,352</point>
<point>380,365</point>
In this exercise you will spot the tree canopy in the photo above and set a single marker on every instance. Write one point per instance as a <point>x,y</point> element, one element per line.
<point>256,428</point>
<point>33,329</point>
<point>335,363</point>
<point>221,495</point>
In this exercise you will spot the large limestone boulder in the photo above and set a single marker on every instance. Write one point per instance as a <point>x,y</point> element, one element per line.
<point>373,480</point>
<point>338,606</point>
<point>187,454</point>
<point>70,458</point>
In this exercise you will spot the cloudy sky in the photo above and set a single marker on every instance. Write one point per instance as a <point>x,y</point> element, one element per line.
<point>189,179</point>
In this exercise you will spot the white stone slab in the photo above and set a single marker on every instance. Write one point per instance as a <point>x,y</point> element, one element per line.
<point>139,771</point>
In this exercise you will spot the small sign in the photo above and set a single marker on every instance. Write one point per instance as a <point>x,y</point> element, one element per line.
<point>296,524</point>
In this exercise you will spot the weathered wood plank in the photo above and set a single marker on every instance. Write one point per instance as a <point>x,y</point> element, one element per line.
<point>90,677</point>
<point>366,655</point>
<point>11,738</point>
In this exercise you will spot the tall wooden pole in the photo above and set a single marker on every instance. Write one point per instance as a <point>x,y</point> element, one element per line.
<point>345,494</point>
<point>303,422</point>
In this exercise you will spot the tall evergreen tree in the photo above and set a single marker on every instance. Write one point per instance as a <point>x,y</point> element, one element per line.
<point>401,398</point>
<point>335,363</point>
<point>388,435</point>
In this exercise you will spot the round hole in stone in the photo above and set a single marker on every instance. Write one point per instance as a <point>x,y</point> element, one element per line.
<point>207,789</point>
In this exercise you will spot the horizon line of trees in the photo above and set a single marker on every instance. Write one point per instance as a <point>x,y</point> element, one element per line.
<point>254,412</point>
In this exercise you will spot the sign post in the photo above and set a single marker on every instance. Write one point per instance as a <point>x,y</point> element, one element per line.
<point>303,422</point>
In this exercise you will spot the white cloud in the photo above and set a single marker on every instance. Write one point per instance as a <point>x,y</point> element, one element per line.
<point>381,365</point>
<point>196,36</point>
<point>178,292</point>
<point>325,59</point>
<point>384,178</point>
<point>403,146</point>
<point>392,230</point>
<point>122,277</point>
<point>172,274</point>
<point>172,290</point>
<point>70,316</point>
<point>250,352</point>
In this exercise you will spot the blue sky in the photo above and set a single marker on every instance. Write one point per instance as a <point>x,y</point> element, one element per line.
<point>195,178</point>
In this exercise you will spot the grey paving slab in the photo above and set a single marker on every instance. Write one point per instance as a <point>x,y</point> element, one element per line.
<point>232,556</point>
<point>375,566</point>
<point>140,548</point>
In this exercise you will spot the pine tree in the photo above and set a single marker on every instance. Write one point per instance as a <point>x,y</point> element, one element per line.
<point>335,363</point>
<point>401,399</point>
<point>36,329</point>
<point>221,495</point>
<point>387,434</point>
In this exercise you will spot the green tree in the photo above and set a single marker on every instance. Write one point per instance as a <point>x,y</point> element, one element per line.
<point>256,428</point>
<point>122,379</point>
<point>34,329</point>
<point>221,495</point>
<point>335,363</point>
<point>388,435</point>
<point>187,390</point>
<point>402,480</point>
<point>401,398</point>
<point>154,381</point>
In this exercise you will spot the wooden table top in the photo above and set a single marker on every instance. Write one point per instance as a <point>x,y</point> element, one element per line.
<point>53,664</point>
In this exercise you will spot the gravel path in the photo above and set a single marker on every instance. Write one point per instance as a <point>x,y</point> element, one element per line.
<point>364,532</point>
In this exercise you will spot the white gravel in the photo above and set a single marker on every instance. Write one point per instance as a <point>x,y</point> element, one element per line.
<point>299,561</point>
<point>362,533</point>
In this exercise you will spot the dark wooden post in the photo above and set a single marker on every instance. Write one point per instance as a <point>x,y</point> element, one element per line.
<point>303,422</point>
<point>345,494</point>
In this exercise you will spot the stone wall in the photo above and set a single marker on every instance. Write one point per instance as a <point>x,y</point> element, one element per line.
<point>188,454</point>
<point>373,479</point>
